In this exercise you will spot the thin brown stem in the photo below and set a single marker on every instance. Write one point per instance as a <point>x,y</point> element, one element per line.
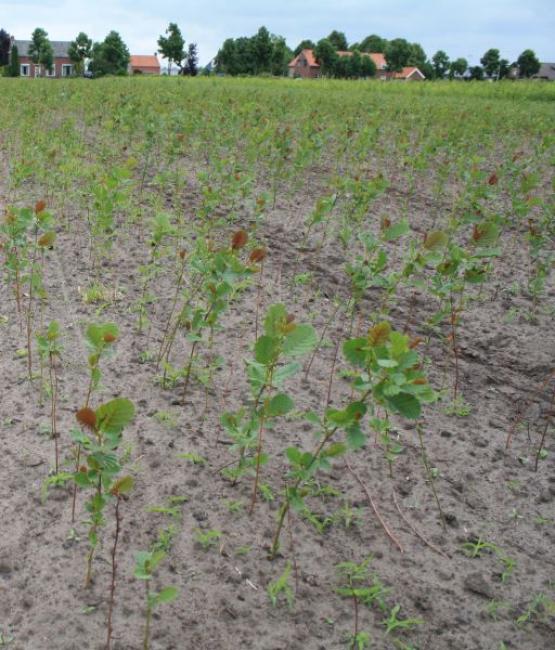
<point>112,599</point>
<point>429,475</point>
<point>384,525</point>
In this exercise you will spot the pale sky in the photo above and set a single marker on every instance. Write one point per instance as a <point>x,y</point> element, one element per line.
<point>463,28</point>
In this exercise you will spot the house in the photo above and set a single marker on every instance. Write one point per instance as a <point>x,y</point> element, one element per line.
<point>144,64</point>
<point>546,72</point>
<point>306,66</point>
<point>62,66</point>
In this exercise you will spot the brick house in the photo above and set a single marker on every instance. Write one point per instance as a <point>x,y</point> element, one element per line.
<point>62,66</point>
<point>305,65</point>
<point>144,64</point>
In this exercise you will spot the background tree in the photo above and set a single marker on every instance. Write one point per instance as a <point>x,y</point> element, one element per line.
<point>397,54</point>
<point>504,68</point>
<point>440,62</point>
<point>40,49</point>
<point>14,69</point>
<point>354,67</point>
<point>110,57</point>
<point>79,51</point>
<point>172,46</point>
<point>417,56</point>
<point>191,67</point>
<point>373,43</point>
<point>476,72</point>
<point>490,61</point>
<point>281,55</point>
<point>307,44</point>
<point>263,53</point>
<point>528,64</point>
<point>326,54</point>
<point>338,40</point>
<point>262,49</point>
<point>5,44</point>
<point>226,60</point>
<point>458,67</point>
<point>367,67</point>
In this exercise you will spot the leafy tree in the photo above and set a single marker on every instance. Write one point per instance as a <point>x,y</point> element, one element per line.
<point>373,43</point>
<point>528,64</point>
<point>226,59</point>
<point>5,44</point>
<point>440,61</point>
<point>191,67</point>
<point>354,67</point>
<point>490,61</point>
<point>367,67</point>
<point>111,56</point>
<point>458,67</point>
<point>504,68</point>
<point>417,56</point>
<point>338,40</point>
<point>262,50</point>
<point>476,72</point>
<point>172,46</point>
<point>262,53</point>
<point>79,50</point>
<point>281,55</point>
<point>397,54</point>
<point>307,44</point>
<point>40,49</point>
<point>327,56</point>
<point>14,69</point>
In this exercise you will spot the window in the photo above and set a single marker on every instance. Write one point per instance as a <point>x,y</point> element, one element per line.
<point>67,69</point>
<point>24,69</point>
<point>52,72</point>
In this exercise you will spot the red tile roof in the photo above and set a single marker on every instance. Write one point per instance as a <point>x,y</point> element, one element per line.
<point>408,72</point>
<point>144,61</point>
<point>377,57</point>
<point>309,56</point>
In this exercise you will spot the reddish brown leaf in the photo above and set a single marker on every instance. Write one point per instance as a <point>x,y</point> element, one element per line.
<point>240,238</point>
<point>86,417</point>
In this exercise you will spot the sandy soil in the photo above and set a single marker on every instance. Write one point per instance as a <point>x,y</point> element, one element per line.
<point>486,492</point>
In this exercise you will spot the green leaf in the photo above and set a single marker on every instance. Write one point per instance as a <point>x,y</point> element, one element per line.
<point>405,404</point>
<point>396,230</point>
<point>276,316</point>
<point>355,351</point>
<point>166,595</point>
<point>485,234</point>
<point>335,449</point>
<point>355,437</point>
<point>436,240</point>
<point>123,485</point>
<point>280,404</point>
<point>266,349</point>
<point>284,372</point>
<point>387,363</point>
<point>115,415</point>
<point>95,334</point>
<point>301,340</point>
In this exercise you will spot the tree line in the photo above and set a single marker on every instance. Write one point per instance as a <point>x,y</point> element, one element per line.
<point>108,57</point>
<point>265,53</point>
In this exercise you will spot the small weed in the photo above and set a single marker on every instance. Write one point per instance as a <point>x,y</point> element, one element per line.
<point>392,623</point>
<point>281,586</point>
<point>196,459</point>
<point>207,539</point>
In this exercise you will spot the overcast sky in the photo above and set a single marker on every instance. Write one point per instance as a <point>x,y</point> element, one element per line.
<point>463,28</point>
